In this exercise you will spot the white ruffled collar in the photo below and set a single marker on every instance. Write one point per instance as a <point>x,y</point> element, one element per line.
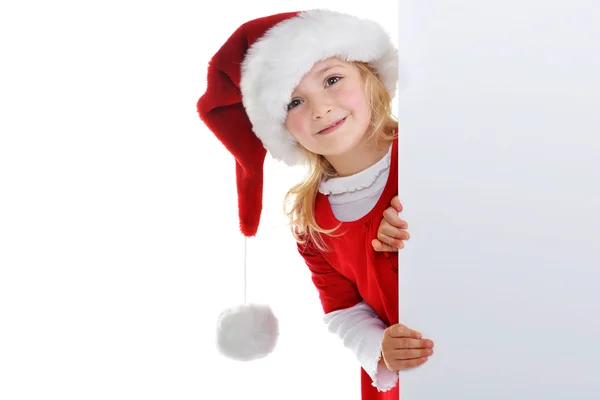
<point>358,181</point>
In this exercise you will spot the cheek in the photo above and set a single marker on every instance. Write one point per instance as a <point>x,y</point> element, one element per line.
<point>356,101</point>
<point>296,124</point>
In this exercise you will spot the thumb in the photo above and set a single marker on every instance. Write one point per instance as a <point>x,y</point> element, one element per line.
<point>376,245</point>
<point>400,330</point>
<point>379,246</point>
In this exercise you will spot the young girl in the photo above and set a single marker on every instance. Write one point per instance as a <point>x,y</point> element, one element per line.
<point>315,87</point>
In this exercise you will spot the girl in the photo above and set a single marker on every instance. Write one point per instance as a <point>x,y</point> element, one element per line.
<point>315,87</point>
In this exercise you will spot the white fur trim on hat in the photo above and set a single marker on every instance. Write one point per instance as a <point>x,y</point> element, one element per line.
<point>275,64</point>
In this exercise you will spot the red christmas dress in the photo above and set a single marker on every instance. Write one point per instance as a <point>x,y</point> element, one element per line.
<point>352,271</point>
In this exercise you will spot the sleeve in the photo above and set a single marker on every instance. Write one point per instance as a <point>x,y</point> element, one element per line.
<point>335,291</point>
<point>349,317</point>
<point>361,330</point>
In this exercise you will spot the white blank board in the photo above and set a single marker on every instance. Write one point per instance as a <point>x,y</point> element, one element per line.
<point>499,178</point>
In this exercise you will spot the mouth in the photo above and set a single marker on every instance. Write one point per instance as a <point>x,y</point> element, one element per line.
<point>332,127</point>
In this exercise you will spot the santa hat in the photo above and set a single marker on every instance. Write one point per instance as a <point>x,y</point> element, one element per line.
<point>250,82</point>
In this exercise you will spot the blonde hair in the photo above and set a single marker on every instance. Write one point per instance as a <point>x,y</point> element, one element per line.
<point>302,196</point>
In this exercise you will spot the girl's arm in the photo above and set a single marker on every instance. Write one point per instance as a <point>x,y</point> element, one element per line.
<point>335,291</point>
<point>362,330</point>
<point>349,317</point>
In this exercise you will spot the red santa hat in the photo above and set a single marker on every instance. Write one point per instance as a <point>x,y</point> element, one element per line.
<point>250,82</point>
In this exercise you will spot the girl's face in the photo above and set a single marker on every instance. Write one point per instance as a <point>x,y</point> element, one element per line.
<point>329,112</point>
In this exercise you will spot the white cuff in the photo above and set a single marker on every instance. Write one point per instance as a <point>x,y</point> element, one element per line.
<point>361,330</point>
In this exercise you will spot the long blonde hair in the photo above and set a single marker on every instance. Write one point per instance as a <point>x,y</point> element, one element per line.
<point>301,198</point>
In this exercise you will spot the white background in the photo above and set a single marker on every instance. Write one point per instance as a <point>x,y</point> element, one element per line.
<point>119,239</point>
<point>500,179</point>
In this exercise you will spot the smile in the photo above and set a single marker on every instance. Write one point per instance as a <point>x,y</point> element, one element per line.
<point>332,127</point>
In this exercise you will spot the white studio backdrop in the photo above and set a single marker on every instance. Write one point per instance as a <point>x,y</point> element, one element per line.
<point>500,180</point>
<point>119,239</point>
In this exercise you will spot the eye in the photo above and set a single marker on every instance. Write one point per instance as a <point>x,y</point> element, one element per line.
<point>332,80</point>
<point>293,103</point>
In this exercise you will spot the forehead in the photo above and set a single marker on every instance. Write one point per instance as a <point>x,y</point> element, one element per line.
<point>320,68</point>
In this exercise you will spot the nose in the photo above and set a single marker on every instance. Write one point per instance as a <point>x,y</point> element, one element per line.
<point>321,108</point>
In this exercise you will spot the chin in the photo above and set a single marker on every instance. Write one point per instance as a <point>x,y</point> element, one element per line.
<point>346,142</point>
<point>342,147</point>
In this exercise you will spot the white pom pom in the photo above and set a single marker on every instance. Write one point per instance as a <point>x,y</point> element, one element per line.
<point>247,332</point>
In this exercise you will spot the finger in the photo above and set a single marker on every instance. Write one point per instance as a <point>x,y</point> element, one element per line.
<point>392,217</point>
<point>387,229</point>
<point>410,354</point>
<point>390,241</point>
<point>406,364</point>
<point>379,246</point>
<point>410,343</point>
<point>401,331</point>
<point>396,204</point>
<point>394,232</point>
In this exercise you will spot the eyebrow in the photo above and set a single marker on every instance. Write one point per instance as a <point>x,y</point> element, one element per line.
<point>322,71</point>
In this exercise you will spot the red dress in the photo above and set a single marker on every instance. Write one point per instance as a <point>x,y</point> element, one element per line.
<point>353,271</point>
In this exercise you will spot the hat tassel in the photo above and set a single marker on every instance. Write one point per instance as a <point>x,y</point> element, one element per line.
<point>249,331</point>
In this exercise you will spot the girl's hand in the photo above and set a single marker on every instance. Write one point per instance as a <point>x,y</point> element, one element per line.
<point>403,348</point>
<point>392,230</point>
